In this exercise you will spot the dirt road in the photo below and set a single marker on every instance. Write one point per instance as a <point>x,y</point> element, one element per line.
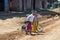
<point>10,25</point>
<point>54,34</point>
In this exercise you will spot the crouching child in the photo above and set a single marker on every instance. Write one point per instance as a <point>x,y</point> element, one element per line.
<point>28,27</point>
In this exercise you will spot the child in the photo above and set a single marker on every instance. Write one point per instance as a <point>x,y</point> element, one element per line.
<point>35,24</point>
<point>28,27</point>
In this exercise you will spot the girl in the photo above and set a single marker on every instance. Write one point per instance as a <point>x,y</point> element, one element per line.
<point>28,27</point>
<point>35,23</point>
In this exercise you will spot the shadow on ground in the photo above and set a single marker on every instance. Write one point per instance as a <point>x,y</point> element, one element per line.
<point>4,16</point>
<point>48,12</point>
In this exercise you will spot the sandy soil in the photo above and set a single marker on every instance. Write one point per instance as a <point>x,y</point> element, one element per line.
<point>56,10</point>
<point>54,34</point>
<point>10,29</point>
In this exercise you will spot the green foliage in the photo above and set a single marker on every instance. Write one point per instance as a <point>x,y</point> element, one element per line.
<point>58,2</point>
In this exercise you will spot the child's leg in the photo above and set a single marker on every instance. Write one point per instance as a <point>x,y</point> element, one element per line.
<point>26,32</point>
<point>30,32</point>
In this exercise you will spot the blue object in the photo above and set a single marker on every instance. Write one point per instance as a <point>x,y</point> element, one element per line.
<point>6,6</point>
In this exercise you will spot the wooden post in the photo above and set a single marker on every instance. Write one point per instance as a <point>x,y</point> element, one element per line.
<point>25,4</point>
<point>22,5</point>
<point>33,5</point>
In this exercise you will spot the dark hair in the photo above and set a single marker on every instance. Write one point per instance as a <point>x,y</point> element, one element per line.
<point>26,22</point>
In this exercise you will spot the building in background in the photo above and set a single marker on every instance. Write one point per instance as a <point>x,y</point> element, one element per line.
<point>21,5</point>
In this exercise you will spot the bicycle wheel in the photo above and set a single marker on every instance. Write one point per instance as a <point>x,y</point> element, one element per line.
<point>39,28</point>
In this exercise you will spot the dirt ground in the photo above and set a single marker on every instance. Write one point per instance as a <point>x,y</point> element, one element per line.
<point>56,10</point>
<point>10,29</point>
<point>53,34</point>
